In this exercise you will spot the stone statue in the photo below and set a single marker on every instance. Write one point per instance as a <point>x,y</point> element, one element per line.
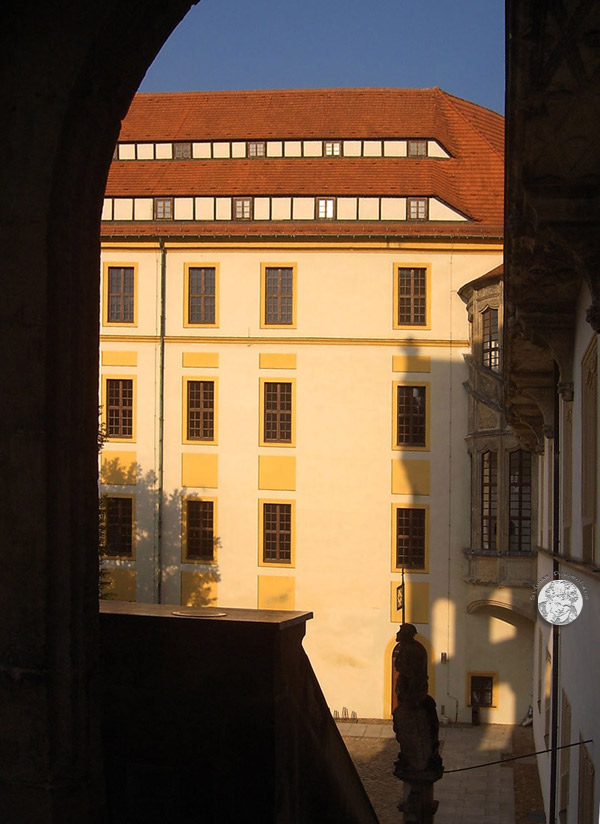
<point>416,726</point>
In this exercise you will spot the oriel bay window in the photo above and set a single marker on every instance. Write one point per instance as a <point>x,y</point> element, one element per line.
<point>201,293</point>
<point>519,538</point>
<point>277,414</point>
<point>118,411</point>
<point>277,531</point>
<point>116,526</point>
<point>410,296</point>
<point>411,416</point>
<point>278,296</point>
<point>200,410</point>
<point>198,530</point>
<point>410,537</point>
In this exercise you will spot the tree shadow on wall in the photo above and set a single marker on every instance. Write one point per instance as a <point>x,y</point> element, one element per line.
<point>156,567</point>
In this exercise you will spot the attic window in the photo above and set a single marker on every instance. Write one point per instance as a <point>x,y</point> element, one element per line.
<point>417,208</point>
<point>242,208</point>
<point>163,208</point>
<point>417,148</point>
<point>182,151</point>
<point>256,148</point>
<point>333,148</point>
<point>325,208</point>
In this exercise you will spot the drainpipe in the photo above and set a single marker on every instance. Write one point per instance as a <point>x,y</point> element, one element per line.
<point>555,629</point>
<point>161,423</point>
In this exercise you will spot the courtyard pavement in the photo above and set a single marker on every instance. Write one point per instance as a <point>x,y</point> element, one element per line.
<point>480,796</point>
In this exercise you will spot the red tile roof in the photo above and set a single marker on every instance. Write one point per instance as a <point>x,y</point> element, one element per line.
<point>471,182</point>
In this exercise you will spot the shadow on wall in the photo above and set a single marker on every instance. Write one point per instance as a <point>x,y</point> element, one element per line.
<point>129,531</point>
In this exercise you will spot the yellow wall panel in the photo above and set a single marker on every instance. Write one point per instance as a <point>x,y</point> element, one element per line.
<point>276,592</point>
<point>411,363</point>
<point>276,472</point>
<point>410,477</point>
<point>118,467</point>
<point>275,360</point>
<point>416,602</point>
<point>199,589</point>
<point>118,584</point>
<point>119,358</point>
<point>199,470</point>
<point>200,359</point>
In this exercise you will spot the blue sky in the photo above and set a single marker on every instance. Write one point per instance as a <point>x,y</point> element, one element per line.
<point>274,44</point>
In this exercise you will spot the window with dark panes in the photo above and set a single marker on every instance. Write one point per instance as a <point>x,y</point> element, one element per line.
<point>410,538</point>
<point>279,296</point>
<point>411,424</point>
<point>200,410</point>
<point>199,525</point>
<point>489,499</point>
<point>119,408</point>
<point>182,151</point>
<point>519,525</point>
<point>416,208</point>
<point>202,297</point>
<point>417,148</point>
<point>163,208</point>
<point>482,691</point>
<point>277,533</point>
<point>118,526</point>
<point>256,148</point>
<point>490,352</point>
<point>120,294</point>
<point>277,412</point>
<point>242,208</point>
<point>412,297</point>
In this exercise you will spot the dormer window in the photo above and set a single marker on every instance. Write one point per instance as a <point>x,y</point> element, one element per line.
<point>332,148</point>
<point>325,208</point>
<point>256,148</point>
<point>417,148</point>
<point>163,208</point>
<point>490,344</point>
<point>417,208</point>
<point>182,151</point>
<point>242,208</point>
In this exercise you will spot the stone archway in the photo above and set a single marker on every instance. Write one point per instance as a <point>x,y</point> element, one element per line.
<point>69,71</point>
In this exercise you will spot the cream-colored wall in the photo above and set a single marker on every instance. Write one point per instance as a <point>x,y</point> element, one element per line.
<point>344,347</point>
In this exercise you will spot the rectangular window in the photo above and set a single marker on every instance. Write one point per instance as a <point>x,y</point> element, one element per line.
<point>242,208</point>
<point>417,148</point>
<point>490,351</point>
<point>416,208</point>
<point>325,208</point>
<point>200,410</point>
<point>279,296</point>
<point>119,408</point>
<point>410,537</point>
<point>202,295</point>
<point>519,538</point>
<point>277,412</point>
<point>182,151</point>
<point>411,292</point>
<point>116,528</point>
<point>256,148</point>
<point>120,294</point>
<point>489,499</point>
<point>199,530</point>
<point>482,691</point>
<point>411,416</point>
<point>333,148</point>
<point>277,533</point>
<point>163,208</point>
